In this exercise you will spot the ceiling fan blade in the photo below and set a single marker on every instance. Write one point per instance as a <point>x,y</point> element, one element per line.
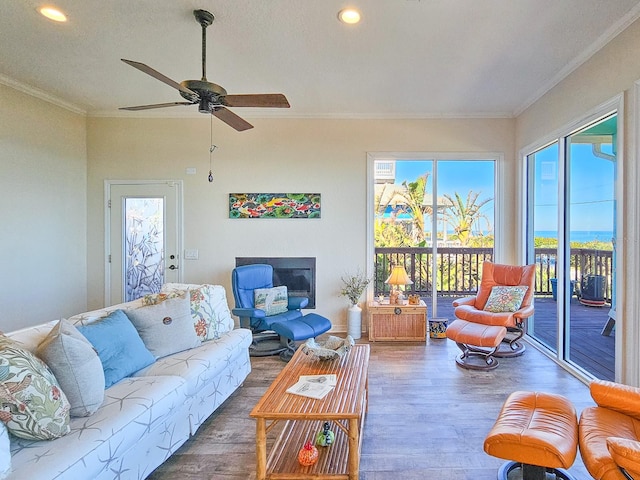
<point>272,100</point>
<point>158,76</point>
<point>156,105</point>
<point>231,119</point>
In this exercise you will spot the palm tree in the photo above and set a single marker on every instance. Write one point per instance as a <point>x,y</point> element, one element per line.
<point>414,195</point>
<point>410,200</point>
<point>463,216</point>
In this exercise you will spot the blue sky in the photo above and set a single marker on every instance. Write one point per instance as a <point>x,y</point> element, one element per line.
<point>454,176</point>
<point>592,181</point>
<point>592,189</point>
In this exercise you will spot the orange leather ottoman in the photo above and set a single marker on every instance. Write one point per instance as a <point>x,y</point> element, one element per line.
<point>537,432</point>
<point>477,341</point>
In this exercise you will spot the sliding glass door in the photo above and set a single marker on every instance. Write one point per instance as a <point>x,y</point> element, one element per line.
<point>466,193</point>
<point>571,238</point>
<point>543,173</point>
<point>436,218</point>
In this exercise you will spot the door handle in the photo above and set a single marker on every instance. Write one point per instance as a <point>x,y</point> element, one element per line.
<point>172,267</point>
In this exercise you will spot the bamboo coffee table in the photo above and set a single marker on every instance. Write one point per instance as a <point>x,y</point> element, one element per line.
<point>345,407</point>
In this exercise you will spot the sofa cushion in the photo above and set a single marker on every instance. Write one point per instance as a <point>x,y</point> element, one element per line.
<point>101,446</point>
<point>199,366</point>
<point>76,366</point>
<point>119,346</point>
<point>32,404</point>
<point>166,327</point>
<point>505,299</point>
<point>95,315</point>
<point>29,338</point>
<point>272,300</point>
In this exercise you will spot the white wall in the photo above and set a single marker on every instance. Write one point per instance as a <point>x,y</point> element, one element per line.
<point>611,71</point>
<point>278,155</point>
<point>42,209</point>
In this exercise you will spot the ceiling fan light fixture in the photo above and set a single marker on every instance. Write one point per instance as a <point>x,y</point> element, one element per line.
<point>349,16</point>
<point>210,98</point>
<point>52,13</point>
<point>203,107</point>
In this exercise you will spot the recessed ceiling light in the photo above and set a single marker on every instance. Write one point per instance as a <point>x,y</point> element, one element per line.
<point>349,15</point>
<point>53,13</point>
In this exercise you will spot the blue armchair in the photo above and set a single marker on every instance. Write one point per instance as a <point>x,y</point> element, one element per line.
<point>272,334</point>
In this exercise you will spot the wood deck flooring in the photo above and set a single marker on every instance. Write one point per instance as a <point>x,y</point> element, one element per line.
<point>588,348</point>
<point>427,417</point>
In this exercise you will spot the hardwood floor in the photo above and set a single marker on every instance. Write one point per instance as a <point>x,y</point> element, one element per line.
<point>427,417</point>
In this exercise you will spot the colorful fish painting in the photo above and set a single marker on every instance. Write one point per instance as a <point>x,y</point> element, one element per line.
<point>274,205</point>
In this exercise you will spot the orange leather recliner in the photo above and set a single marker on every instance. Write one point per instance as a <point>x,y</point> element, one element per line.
<point>609,433</point>
<point>471,309</point>
<point>483,332</point>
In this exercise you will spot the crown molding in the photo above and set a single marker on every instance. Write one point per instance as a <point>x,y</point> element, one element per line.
<point>40,94</point>
<point>612,32</point>
<point>182,113</point>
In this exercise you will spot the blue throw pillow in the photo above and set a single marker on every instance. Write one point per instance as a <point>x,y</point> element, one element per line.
<point>119,346</point>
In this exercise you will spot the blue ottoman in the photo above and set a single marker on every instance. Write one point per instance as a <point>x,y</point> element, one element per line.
<point>309,326</point>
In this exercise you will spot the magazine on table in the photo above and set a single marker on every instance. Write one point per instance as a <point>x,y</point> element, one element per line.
<point>314,386</point>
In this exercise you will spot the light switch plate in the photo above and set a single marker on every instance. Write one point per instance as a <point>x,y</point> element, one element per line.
<point>191,254</point>
<point>190,170</point>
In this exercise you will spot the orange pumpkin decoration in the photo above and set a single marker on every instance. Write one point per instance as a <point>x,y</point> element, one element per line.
<point>308,455</point>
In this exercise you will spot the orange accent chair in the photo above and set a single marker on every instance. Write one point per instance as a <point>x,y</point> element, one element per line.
<point>480,333</point>
<point>609,433</point>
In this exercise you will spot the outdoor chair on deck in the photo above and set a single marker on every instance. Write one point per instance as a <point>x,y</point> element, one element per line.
<point>491,323</point>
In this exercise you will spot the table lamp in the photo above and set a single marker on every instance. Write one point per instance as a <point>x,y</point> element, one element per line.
<point>398,277</point>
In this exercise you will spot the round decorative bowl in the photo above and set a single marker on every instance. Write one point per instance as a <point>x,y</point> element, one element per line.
<point>328,349</point>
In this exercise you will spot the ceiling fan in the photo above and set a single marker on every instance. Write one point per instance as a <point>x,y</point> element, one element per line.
<point>209,97</point>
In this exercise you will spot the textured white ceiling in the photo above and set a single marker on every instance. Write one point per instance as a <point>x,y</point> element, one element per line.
<point>407,58</point>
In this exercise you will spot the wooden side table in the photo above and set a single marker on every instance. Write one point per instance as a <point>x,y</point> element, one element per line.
<point>402,323</point>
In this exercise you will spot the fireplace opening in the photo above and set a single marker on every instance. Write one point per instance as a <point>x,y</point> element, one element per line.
<point>297,273</point>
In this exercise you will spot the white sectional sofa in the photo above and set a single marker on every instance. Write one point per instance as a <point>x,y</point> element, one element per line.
<point>145,417</point>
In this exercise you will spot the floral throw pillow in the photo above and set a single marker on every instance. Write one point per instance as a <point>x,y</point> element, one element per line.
<point>505,299</point>
<point>209,307</point>
<point>218,308</point>
<point>272,300</point>
<point>32,405</point>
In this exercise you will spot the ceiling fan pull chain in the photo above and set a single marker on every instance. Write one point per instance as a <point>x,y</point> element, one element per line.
<point>212,147</point>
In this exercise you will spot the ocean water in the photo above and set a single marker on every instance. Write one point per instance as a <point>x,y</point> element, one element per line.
<point>579,235</point>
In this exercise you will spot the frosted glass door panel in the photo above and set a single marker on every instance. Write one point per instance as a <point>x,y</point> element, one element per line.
<point>144,246</point>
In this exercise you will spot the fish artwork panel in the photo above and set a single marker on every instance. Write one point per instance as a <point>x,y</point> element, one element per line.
<point>274,205</point>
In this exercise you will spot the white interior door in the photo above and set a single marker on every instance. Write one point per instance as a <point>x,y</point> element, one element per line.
<point>144,231</point>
